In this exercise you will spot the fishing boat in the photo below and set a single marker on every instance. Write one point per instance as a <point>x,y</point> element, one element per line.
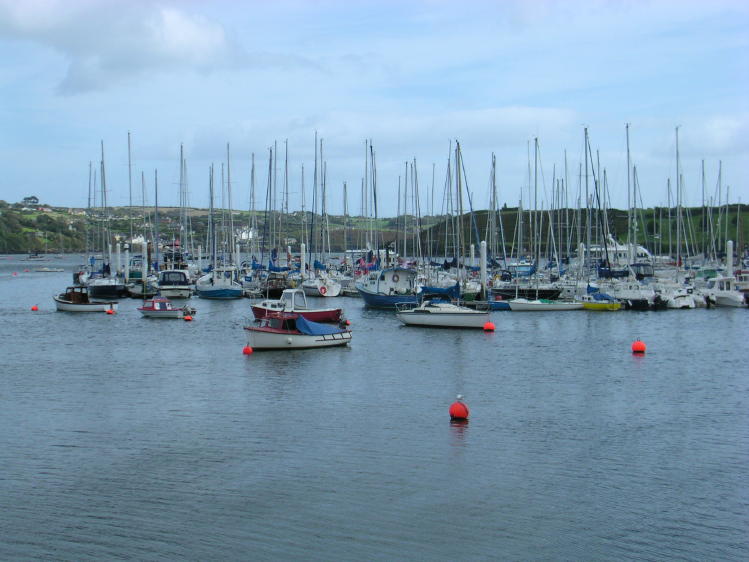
<point>162,307</point>
<point>542,305</point>
<point>295,301</point>
<point>76,299</point>
<point>441,314</point>
<point>292,331</point>
<point>387,287</point>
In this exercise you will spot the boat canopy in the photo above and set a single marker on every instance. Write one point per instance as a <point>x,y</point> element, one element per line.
<point>315,329</point>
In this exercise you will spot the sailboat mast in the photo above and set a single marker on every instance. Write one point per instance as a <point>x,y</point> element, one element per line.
<point>130,186</point>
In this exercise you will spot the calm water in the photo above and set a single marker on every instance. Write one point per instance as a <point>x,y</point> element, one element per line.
<point>128,438</point>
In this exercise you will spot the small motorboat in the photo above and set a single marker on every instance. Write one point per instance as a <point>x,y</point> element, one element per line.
<point>161,307</point>
<point>295,301</point>
<point>441,314</point>
<point>293,331</point>
<point>76,299</point>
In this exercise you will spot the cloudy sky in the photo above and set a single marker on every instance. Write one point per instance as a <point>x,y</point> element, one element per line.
<point>412,76</point>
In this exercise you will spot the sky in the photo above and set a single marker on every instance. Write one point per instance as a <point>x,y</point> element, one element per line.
<point>414,77</point>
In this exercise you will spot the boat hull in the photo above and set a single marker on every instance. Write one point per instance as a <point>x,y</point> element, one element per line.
<point>175,313</point>
<point>522,305</point>
<point>323,315</point>
<point>470,319</point>
<point>261,339</point>
<point>175,292</point>
<point>374,300</point>
<point>219,293</point>
<point>67,306</point>
<point>604,306</point>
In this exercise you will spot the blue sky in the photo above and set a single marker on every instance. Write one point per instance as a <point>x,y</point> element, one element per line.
<point>411,76</point>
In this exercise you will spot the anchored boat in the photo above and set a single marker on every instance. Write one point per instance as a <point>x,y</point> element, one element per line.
<point>292,331</point>
<point>76,299</point>
<point>441,314</point>
<point>295,301</point>
<point>162,307</point>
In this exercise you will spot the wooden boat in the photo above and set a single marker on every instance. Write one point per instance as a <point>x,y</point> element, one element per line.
<point>525,305</point>
<point>161,307</point>
<point>76,299</point>
<point>295,301</point>
<point>292,331</point>
<point>441,314</point>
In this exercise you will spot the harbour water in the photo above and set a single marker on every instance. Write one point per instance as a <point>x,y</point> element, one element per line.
<point>128,438</point>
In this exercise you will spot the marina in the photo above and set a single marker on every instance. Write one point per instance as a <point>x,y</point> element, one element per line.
<point>373,281</point>
<point>570,435</point>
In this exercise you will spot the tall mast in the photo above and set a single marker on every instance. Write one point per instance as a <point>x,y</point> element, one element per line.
<point>630,241</point>
<point>678,204</point>
<point>130,186</point>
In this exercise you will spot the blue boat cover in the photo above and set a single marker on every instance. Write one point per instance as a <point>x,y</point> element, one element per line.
<point>603,297</point>
<point>452,292</point>
<point>316,329</point>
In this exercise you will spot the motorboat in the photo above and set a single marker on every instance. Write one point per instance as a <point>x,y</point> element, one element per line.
<point>441,314</point>
<point>162,307</point>
<point>292,331</point>
<point>76,299</point>
<point>175,284</point>
<point>722,291</point>
<point>295,301</point>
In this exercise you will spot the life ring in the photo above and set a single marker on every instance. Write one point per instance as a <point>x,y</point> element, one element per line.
<point>323,290</point>
<point>396,278</point>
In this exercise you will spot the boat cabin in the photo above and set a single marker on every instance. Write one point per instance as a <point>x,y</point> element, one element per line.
<point>294,299</point>
<point>76,295</point>
<point>174,277</point>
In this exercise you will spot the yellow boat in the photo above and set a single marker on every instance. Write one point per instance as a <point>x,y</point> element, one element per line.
<point>591,303</point>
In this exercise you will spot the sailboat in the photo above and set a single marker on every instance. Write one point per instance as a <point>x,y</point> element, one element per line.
<point>222,281</point>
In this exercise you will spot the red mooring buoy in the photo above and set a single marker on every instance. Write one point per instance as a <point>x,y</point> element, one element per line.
<point>638,346</point>
<point>110,311</point>
<point>458,410</point>
<point>489,326</point>
<point>34,308</point>
<point>187,318</point>
<point>247,350</point>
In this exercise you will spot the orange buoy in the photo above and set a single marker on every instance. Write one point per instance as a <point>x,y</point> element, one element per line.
<point>638,346</point>
<point>458,410</point>
<point>489,327</point>
<point>34,308</point>
<point>187,318</point>
<point>247,350</point>
<point>110,311</point>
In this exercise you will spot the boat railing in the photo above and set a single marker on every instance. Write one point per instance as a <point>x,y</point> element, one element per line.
<point>404,306</point>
